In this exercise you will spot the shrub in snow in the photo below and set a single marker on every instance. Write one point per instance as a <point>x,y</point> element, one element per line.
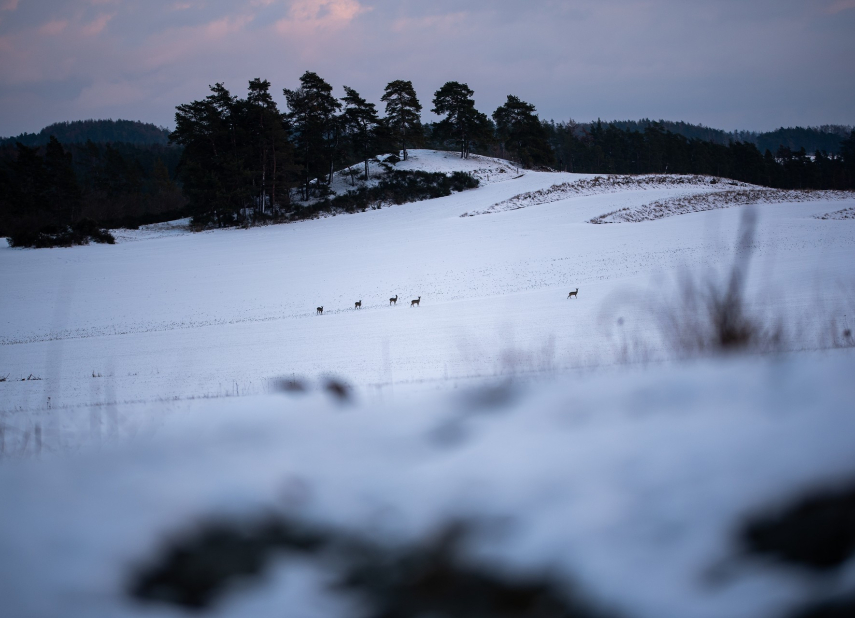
<point>81,233</point>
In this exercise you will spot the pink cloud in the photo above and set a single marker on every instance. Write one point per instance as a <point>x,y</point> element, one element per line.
<point>180,43</point>
<point>310,15</point>
<point>226,25</point>
<point>430,22</point>
<point>9,5</point>
<point>54,27</point>
<point>96,26</point>
<point>840,5</point>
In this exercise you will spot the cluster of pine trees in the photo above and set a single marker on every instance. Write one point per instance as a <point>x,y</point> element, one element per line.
<point>245,159</point>
<point>49,193</point>
<point>610,149</point>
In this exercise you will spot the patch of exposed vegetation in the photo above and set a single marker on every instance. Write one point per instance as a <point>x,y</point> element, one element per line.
<point>81,233</point>
<point>425,578</point>
<point>701,202</point>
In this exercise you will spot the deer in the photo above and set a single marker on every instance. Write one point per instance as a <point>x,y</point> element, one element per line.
<point>320,310</point>
<point>573,293</point>
<point>413,303</point>
<point>393,301</point>
<point>357,304</point>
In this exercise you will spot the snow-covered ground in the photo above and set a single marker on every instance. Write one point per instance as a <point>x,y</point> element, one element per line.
<point>486,169</point>
<point>631,487</point>
<point>158,358</point>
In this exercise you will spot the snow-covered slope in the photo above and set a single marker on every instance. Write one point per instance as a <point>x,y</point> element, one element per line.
<point>154,373</point>
<point>628,489</point>
<point>215,313</point>
<point>486,169</point>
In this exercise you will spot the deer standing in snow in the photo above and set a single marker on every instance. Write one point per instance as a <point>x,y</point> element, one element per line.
<point>357,304</point>
<point>573,293</point>
<point>413,303</point>
<point>320,310</point>
<point>393,301</point>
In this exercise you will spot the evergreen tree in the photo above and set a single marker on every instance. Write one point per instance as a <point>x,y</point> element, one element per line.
<point>268,145</point>
<point>521,132</point>
<point>403,112</point>
<point>462,123</point>
<point>360,122</point>
<point>63,192</point>
<point>847,154</point>
<point>313,117</point>
<point>210,164</point>
<point>29,197</point>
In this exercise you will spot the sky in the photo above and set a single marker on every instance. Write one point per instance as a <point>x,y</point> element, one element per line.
<point>729,64</point>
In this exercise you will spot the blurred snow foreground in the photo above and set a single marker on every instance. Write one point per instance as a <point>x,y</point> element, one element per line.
<point>723,487</point>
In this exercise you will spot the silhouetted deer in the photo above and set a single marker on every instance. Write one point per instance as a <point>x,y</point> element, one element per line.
<point>320,310</point>
<point>573,293</point>
<point>393,301</point>
<point>357,304</point>
<point>413,303</point>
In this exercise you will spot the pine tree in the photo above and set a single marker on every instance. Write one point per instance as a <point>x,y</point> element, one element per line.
<point>28,187</point>
<point>313,117</point>
<point>403,112</point>
<point>63,190</point>
<point>847,153</point>
<point>210,166</point>
<point>462,123</point>
<point>360,122</point>
<point>268,143</point>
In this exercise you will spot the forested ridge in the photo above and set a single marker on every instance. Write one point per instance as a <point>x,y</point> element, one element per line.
<point>825,137</point>
<point>242,160</point>
<point>609,149</point>
<point>98,131</point>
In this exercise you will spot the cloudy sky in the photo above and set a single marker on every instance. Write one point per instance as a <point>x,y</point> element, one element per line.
<point>731,64</point>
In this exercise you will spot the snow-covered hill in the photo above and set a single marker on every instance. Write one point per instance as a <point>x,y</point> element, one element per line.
<point>486,169</point>
<point>155,368</point>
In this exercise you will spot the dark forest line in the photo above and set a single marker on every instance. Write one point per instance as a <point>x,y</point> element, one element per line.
<point>825,138</point>
<point>49,193</point>
<point>98,131</point>
<point>241,160</point>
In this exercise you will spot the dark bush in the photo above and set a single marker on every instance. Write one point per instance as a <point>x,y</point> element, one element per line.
<point>429,577</point>
<point>81,233</point>
<point>399,187</point>
<point>816,532</point>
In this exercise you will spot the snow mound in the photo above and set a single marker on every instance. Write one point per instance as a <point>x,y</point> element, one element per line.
<point>598,185</point>
<point>178,227</point>
<point>630,487</point>
<point>486,169</point>
<point>839,215</point>
<point>700,202</point>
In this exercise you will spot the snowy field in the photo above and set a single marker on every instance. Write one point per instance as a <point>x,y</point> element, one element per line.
<point>155,368</point>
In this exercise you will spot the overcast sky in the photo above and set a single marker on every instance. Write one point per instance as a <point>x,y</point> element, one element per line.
<point>731,64</point>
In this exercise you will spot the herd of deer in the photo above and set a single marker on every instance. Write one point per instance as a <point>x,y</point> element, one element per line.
<point>416,302</point>
<point>392,301</point>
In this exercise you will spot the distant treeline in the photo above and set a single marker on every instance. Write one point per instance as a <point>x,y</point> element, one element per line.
<point>98,131</point>
<point>238,161</point>
<point>45,191</point>
<point>610,149</point>
<point>824,138</point>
